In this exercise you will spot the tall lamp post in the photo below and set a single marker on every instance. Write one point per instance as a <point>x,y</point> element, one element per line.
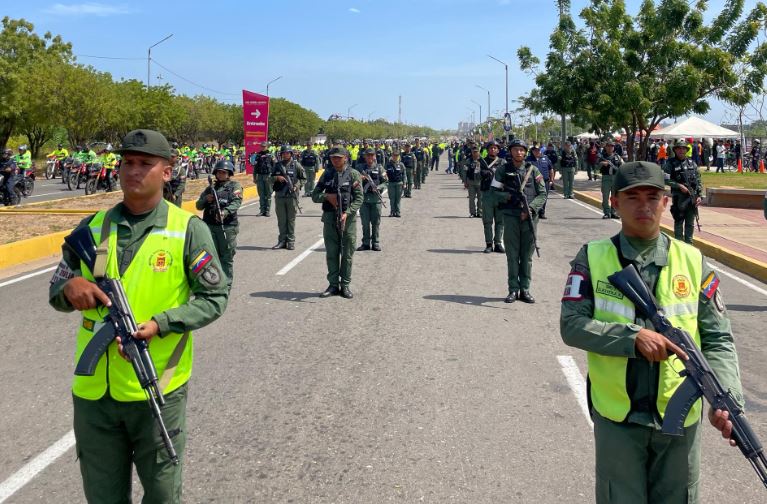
<point>488,99</point>
<point>271,82</point>
<point>480,109</point>
<point>349,111</point>
<point>506,69</point>
<point>149,58</point>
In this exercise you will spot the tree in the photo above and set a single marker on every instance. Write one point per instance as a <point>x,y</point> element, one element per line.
<point>290,122</point>
<point>620,71</point>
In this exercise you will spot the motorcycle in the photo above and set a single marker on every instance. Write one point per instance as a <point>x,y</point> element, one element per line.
<point>77,174</point>
<point>52,168</point>
<point>27,183</point>
<point>97,179</point>
<point>14,198</point>
<point>66,167</point>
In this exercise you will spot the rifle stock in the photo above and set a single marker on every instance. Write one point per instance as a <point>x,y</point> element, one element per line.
<point>700,378</point>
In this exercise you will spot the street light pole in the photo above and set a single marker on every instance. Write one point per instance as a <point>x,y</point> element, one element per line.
<point>480,110</point>
<point>506,69</point>
<point>349,111</point>
<point>370,114</point>
<point>271,82</point>
<point>488,99</point>
<point>149,58</point>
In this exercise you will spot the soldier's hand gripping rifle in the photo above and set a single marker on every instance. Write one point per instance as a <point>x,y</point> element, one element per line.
<point>291,189</point>
<point>372,186</point>
<point>526,208</point>
<point>700,379</point>
<point>219,213</point>
<point>120,322</point>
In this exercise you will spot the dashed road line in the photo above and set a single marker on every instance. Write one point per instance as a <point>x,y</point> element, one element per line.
<point>300,257</point>
<point>577,384</point>
<point>27,276</point>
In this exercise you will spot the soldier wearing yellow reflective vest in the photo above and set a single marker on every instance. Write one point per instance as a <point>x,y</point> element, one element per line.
<point>167,263</point>
<point>632,371</point>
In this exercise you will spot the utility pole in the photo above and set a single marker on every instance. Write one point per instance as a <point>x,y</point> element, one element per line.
<point>149,59</point>
<point>270,83</point>
<point>399,116</point>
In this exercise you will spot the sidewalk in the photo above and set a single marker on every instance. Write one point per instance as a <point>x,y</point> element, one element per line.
<point>735,236</point>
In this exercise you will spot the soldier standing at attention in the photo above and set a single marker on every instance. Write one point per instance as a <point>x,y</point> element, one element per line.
<point>310,160</point>
<point>167,263</point>
<point>420,166</point>
<point>568,165</point>
<point>472,182</point>
<point>492,218</point>
<point>683,178</point>
<point>512,181</point>
<point>395,174</point>
<point>609,162</point>
<point>370,211</point>
<point>409,160</point>
<point>632,373</point>
<point>222,219</point>
<point>340,192</point>
<point>545,166</point>
<point>285,179</point>
<point>262,169</point>
<point>436,152</point>
<point>174,188</point>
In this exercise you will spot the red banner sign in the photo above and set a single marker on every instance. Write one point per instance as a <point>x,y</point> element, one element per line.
<point>255,110</point>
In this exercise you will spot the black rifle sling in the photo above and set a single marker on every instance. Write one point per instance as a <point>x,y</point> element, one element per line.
<point>100,265</point>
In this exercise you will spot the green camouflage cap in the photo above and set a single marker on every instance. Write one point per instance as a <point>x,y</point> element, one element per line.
<point>638,174</point>
<point>144,141</point>
<point>338,152</point>
<point>370,151</point>
<point>680,142</point>
<point>394,152</point>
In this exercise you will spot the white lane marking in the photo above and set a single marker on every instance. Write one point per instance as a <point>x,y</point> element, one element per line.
<point>44,194</point>
<point>35,466</point>
<point>249,205</point>
<point>577,384</point>
<point>739,280</point>
<point>28,275</point>
<point>590,208</point>
<point>300,257</point>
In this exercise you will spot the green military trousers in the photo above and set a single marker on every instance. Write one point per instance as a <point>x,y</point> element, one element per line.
<point>475,203</point>
<point>339,266</point>
<point>226,246</point>
<point>285,207</point>
<point>409,176</point>
<point>568,177</point>
<point>424,171</point>
<point>264,192</point>
<point>418,175</point>
<point>607,188</point>
<point>518,241</point>
<point>636,464</point>
<point>111,435</point>
<point>370,213</point>
<point>683,211</point>
<point>395,197</point>
<point>492,218</point>
<point>311,175</point>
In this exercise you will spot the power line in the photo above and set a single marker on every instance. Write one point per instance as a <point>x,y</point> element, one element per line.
<point>106,57</point>
<point>191,82</point>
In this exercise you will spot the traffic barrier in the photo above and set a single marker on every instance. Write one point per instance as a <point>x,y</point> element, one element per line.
<point>761,166</point>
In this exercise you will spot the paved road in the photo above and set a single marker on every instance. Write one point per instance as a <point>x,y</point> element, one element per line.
<point>46,190</point>
<point>425,387</point>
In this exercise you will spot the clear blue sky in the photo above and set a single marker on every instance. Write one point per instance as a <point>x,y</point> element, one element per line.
<point>331,54</point>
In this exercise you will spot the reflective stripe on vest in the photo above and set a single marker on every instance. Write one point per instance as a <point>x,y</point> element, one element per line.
<point>155,281</point>
<point>677,293</point>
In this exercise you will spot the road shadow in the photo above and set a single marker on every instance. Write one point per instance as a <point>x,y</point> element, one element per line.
<point>454,251</point>
<point>252,247</point>
<point>746,308</point>
<point>465,300</point>
<point>285,295</point>
<point>452,217</point>
<point>582,218</point>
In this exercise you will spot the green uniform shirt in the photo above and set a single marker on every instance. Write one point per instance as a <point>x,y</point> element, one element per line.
<point>502,194</point>
<point>318,194</point>
<point>207,302</point>
<point>230,187</point>
<point>579,329</point>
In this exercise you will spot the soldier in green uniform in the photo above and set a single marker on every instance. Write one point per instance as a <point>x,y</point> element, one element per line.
<point>492,218</point>
<point>285,179</point>
<point>419,163</point>
<point>395,174</point>
<point>632,372</point>
<point>340,192</point>
<point>608,164</point>
<point>513,182</point>
<point>410,162</point>
<point>686,189</point>
<point>167,263</point>
<point>175,187</point>
<point>472,183</point>
<point>568,165</point>
<point>373,178</point>
<point>220,214</point>
<point>310,160</point>
<point>262,163</point>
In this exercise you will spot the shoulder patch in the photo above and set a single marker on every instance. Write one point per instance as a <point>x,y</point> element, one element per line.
<point>574,286</point>
<point>210,275</point>
<point>199,262</point>
<point>62,273</point>
<point>709,286</point>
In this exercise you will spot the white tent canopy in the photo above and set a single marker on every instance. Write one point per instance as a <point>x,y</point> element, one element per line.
<point>586,136</point>
<point>694,127</point>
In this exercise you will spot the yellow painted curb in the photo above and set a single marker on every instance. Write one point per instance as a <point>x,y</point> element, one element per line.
<point>735,260</point>
<point>39,247</point>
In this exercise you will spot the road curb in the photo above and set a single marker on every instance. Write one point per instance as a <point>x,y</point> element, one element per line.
<point>32,249</point>
<point>734,260</point>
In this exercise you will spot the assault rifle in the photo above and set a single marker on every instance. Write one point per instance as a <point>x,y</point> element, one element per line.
<point>700,379</point>
<point>119,322</point>
<point>291,188</point>
<point>526,208</point>
<point>340,224</point>
<point>372,185</point>
<point>218,205</point>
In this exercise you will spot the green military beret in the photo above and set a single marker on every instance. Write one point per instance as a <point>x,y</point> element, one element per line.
<point>639,174</point>
<point>145,141</point>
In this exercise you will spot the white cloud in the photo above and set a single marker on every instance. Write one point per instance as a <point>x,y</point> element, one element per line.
<point>87,9</point>
<point>354,10</point>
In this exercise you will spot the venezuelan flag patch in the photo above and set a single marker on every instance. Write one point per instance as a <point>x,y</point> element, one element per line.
<point>709,285</point>
<point>200,261</point>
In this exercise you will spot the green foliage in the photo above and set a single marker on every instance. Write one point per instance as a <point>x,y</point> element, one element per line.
<point>290,122</point>
<point>632,72</point>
